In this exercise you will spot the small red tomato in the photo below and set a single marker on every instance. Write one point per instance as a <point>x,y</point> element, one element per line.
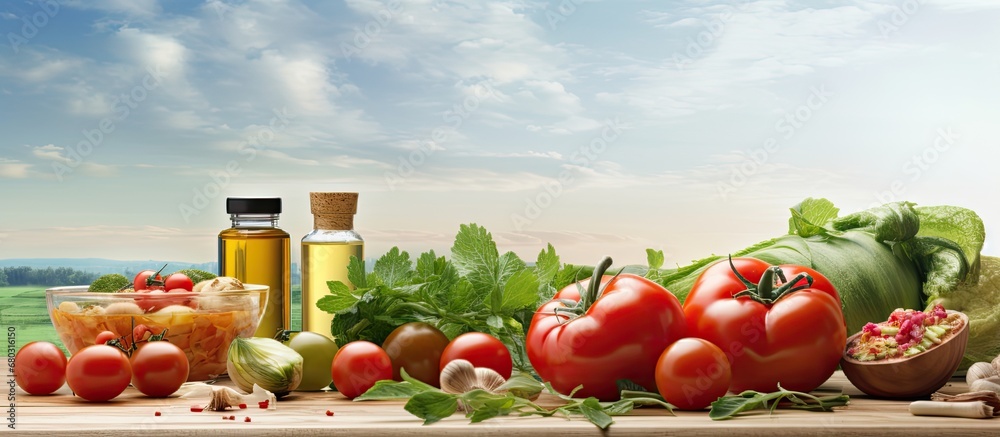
<point>148,280</point>
<point>104,337</point>
<point>178,280</point>
<point>358,366</point>
<point>692,373</point>
<point>482,350</point>
<point>139,333</point>
<point>158,368</point>
<point>39,368</point>
<point>98,373</point>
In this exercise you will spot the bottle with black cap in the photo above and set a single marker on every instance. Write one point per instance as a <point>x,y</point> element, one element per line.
<point>255,251</point>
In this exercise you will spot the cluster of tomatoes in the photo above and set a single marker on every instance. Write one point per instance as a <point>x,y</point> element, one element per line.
<point>746,325</point>
<point>152,283</point>
<point>421,349</point>
<point>101,372</point>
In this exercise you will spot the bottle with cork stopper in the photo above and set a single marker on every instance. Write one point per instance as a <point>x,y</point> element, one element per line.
<point>326,252</point>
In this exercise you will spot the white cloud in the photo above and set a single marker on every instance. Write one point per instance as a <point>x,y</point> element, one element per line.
<point>13,169</point>
<point>51,152</point>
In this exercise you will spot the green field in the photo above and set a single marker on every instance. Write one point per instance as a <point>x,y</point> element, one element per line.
<point>23,308</point>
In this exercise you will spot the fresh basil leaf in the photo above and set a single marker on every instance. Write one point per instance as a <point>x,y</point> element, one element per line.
<point>594,412</point>
<point>422,386</point>
<point>522,385</point>
<point>389,390</point>
<point>619,408</point>
<point>432,406</point>
<point>625,384</point>
<point>729,406</point>
<point>476,416</point>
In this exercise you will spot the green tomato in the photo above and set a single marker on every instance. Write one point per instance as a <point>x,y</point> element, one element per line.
<point>317,358</point>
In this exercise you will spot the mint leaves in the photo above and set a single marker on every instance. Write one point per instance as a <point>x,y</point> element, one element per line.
<point>479,289</point>
<point>730,406</point>
<point>513,398</point>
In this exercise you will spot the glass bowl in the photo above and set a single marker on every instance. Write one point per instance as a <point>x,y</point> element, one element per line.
<point>201,324</point>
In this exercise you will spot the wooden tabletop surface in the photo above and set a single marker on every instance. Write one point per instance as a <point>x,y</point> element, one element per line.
<point>305,414</point>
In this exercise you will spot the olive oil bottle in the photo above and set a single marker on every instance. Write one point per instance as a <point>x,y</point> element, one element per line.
<point>255,251</point>
<point>326,252</point>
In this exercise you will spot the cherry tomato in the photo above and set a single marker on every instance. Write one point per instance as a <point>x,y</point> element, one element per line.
<point>416,347</point>
<point>159,368</point>
<point>790,332</point>
<point>148,280</point>
<point>358,366</point>
<point>141,332</point>
<point>39,368</point>
<point>98,373</point>
<point>692,373</point>
<point>178,280</point>
<point>482,350</point>
<point>104,337</point>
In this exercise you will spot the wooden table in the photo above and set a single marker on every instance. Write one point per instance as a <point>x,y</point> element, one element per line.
<point>305,414</point>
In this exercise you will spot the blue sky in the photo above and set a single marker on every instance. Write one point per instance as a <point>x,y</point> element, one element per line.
<point>602,127</point>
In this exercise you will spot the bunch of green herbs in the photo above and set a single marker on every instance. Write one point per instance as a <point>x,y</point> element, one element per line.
<point>478,289</point>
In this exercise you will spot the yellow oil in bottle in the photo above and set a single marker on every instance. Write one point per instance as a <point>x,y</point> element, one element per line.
<point>322,262</point>
<point>256,251</point>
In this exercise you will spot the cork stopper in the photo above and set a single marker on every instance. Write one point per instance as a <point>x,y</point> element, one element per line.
<point>333,210</point>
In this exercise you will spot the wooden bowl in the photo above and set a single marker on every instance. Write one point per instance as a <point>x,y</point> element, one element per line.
<point>913,377</point>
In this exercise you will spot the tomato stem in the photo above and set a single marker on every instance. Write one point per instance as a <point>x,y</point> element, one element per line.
<point>768,291</point>
<point>594,289</point>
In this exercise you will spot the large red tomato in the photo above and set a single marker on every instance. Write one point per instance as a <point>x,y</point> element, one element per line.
<point>777,324</point>
<point>158,368</point>
<point>616,330</point>
<point>98,372</point>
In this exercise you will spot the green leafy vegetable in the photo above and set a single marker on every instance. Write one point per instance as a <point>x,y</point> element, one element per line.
<point>879,259</point>
<point>512,398</point>
<point>980,300</point>
<point>731,406</point>
<point>109,283</point>
<point>197,275</point>
<point>479,289</point>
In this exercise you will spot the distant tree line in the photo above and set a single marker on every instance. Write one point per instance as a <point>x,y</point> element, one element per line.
<point>47,276</point>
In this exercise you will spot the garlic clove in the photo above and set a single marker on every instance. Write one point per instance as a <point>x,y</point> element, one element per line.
<point>992,384</point>
<point>980,371</point>
<point>488,379</point>
<point>458,377</point>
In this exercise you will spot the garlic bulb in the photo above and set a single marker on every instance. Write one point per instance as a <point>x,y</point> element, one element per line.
<point>987,384</point>
<point>980,371</point>
<point>460,376</point>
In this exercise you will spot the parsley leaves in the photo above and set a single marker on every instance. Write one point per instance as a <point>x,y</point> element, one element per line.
<point>479,289</point>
